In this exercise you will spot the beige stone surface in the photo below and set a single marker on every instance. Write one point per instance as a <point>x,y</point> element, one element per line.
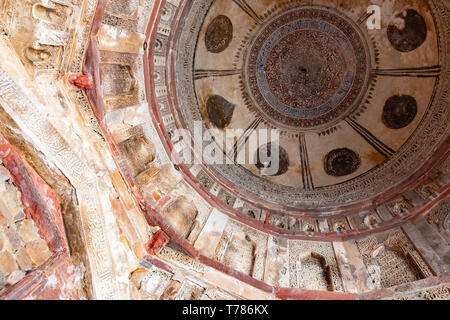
<point>13,238</point>
<point>10,202</point>
<point>7,263</point>
<point>38,252</point>
<point>23,259</point>
<point>28,231</point>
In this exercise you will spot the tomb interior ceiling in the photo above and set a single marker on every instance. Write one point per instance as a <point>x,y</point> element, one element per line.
<point>358,110</point>
<point>224,149</point>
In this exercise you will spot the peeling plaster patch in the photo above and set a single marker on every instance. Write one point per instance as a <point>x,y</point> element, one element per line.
<point>387,10</point>
<point>52,281</point>
<point>211,234</point>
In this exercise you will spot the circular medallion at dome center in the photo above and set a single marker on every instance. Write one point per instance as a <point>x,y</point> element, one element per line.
<point>307,68</point>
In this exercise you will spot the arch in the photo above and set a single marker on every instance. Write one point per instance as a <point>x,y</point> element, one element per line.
<point>44,13</point>
<point>396,267</point>
<point>37,55</point>
<point>240,254</point>
<point>313,272</point>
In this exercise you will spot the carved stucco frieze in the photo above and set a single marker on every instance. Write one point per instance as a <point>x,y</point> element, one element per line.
<point>20,101</point>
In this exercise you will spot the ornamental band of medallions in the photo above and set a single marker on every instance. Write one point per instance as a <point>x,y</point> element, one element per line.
<point>430,133</point>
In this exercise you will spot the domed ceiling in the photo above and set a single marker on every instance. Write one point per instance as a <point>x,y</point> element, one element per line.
<point>225,149</point>
<point>358,110</point>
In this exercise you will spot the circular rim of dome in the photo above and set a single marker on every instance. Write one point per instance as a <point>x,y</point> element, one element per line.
<point>379,180</point>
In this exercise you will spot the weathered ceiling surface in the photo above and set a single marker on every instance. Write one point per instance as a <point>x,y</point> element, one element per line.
<point>356,130</point>
<point>350,129</point>
<point>98,200</point>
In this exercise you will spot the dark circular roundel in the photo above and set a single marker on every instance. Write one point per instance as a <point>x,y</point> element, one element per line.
<point>399,111</point>
<point>342,162</point>
<point>219,34</point>
<point>283,159</point>
<point>411,34</point>
<point>220,111</point>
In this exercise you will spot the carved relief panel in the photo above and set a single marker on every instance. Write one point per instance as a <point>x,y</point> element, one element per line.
<point>313,273</point>
<point>313,266</point>
<point>138,151</point>
<point>117,80</point>
<point>439,217</point>
<point>38,30</point>
<point>121,88</point>
<point>243,249</point>
<point>399,206</point>
<point>391,260</point>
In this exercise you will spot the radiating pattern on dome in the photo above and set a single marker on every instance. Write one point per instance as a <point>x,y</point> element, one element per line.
<point>306,68</point>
